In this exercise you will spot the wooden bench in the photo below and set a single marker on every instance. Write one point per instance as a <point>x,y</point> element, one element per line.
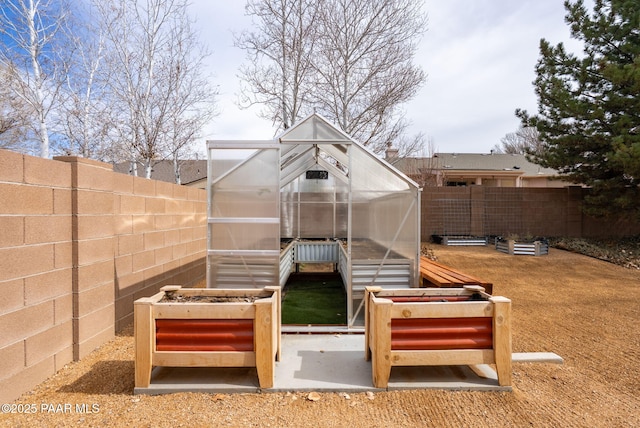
<point>434,274</point>
<point>433,327</point>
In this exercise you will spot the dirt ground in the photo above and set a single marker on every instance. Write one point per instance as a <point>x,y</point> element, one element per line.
<point>583,309</point>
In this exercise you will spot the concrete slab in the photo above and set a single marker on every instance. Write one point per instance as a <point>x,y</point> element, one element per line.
<point>324,363</point>
<point>536,357</point>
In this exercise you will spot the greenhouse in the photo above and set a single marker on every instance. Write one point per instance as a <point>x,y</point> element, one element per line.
<point>311,195</point>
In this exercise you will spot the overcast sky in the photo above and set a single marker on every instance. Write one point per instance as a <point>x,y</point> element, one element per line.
<point>479,56</point>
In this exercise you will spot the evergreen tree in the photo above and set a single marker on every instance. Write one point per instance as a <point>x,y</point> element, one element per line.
<point>589,106</point>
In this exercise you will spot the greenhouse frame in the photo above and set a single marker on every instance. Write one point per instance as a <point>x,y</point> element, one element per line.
<point>311,195</point>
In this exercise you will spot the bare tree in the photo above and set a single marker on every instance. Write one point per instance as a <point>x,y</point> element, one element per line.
<point>281,54</point>
<point>34,53</point>
<point>191,104</point>
<point>526,140</point>
<point>425,169</point>
<point>14,118</point>
<point>86,106</point>
<point>365,66</point>
<point>149,44</point>
<point>351,60</point>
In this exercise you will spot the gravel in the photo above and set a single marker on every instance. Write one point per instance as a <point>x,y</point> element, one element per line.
<point>583,309</point>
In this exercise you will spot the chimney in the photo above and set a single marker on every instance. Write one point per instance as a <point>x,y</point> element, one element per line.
<point>391,153</point>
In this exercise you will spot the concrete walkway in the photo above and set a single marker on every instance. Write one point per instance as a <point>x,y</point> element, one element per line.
<point>323,363</point>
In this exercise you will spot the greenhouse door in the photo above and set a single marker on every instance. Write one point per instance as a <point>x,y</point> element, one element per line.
<point>243,214</point>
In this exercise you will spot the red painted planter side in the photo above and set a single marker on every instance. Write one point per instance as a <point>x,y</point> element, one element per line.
<point>407,299</point>
<point>441,333</point>
<point>204,335</point>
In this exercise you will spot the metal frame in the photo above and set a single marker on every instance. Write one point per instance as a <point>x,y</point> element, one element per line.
<point>315,141</point>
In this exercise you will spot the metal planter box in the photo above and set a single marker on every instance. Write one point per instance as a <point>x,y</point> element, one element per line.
<point>529,248</point>
<point>460,240</point>
<point>188,333</point>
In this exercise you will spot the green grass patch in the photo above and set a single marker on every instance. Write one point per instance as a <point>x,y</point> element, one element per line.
<point>314,301</point>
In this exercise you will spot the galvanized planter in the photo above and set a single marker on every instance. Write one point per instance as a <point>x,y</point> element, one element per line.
<point>460,240</point>
<point>242,329</point>
<point>432,327</point>
<point>538,247</point>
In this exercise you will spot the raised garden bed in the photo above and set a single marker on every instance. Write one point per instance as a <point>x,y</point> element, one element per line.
<point>432,327</point>
<point>196,327</point>
<point>529,247</point>
<point>460,240</point>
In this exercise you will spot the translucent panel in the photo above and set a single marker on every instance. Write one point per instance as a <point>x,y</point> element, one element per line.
<point>224,160</point>
<point>316,220</point>
<point>360,227</point>
<point>390,221</point>
<point>289,227</point>
<point>342,220</point>
<point>246,188</point>
<point>297,166</point>
<point>369,174</point>
<point>395,224</point>
<point>313,208</point>
<point>289,211</point>
<point>317,190</point>
<point>314,128</point>
<point>244,236</point>
<point>244,217</point>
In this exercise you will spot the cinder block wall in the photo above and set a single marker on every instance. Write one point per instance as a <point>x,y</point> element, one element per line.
<point>36,261</point>
<point>78,244</point>
<point>160,239</point>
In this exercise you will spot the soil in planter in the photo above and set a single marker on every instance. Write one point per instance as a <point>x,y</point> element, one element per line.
<point>314,299</point>
<point>179,298</point>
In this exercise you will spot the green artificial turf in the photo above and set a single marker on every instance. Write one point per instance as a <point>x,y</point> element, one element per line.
<point>312,301</point>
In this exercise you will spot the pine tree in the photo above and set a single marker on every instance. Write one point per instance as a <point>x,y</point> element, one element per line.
<point>589,106</point>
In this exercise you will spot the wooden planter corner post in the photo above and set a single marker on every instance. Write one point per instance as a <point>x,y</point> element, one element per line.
<point>502,338</point>
<point>230,350</point>
<point>143,332</point>
<point>410,328</point>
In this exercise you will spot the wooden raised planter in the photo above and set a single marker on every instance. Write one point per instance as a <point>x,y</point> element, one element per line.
<point>538,247</point>
<point>433,327</point>
<point>226,328</point>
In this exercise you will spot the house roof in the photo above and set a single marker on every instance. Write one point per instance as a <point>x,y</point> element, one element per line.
<point>190,170</point>
<point>476,162</point>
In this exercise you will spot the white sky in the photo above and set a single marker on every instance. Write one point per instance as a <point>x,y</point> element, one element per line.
<point>479,56</point>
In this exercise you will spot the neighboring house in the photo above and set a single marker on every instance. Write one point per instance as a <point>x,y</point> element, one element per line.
<point>443,169</point>
<point>192,172</point>
<point>466,169</point>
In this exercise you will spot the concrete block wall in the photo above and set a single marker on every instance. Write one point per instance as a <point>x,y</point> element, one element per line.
<point>36,271</point>
<point>78,244</point>
<point>160,239</point>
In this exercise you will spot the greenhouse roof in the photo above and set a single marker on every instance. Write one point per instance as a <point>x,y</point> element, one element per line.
<point>315,141</point>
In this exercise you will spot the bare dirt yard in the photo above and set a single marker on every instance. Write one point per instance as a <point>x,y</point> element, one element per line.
<point>583,309</point>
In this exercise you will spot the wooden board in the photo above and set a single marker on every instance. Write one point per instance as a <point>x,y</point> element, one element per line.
<point>444,276</point>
